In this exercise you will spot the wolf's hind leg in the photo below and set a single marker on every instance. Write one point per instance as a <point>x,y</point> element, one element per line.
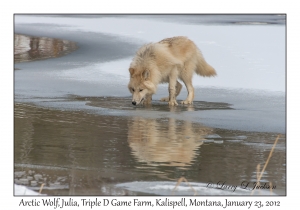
<point>187,79</point>
<point>178,89</point>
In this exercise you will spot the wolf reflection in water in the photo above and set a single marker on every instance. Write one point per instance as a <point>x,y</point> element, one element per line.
<point>170,142</point>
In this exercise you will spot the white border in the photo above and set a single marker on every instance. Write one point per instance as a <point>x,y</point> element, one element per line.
<point>8,8</point>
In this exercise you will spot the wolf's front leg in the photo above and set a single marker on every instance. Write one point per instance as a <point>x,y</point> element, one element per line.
<point>148,100</point>
<point>172,87</point>
<point>178,89</point>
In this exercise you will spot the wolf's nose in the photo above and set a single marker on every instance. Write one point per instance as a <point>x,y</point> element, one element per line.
<point>134,103</point>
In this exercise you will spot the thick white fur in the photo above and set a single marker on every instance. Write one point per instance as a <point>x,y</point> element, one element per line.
<point>166,62</point>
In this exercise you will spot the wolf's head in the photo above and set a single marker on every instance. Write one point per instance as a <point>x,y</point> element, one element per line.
<point>140,85</point>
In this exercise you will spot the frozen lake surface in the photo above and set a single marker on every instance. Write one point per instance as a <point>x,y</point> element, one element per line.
<point>249,59</point>
<point>88,89</point>
<point>248,56</point>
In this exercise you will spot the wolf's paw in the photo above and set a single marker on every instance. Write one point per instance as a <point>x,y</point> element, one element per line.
<point>146,103</point>
<point>186,102</point>
<point>165,99</point>
<point>173,103</point>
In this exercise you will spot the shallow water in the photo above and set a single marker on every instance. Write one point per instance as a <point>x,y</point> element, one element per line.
<point>76,131</point>
<point>76,153</point>
<point>29,48</point>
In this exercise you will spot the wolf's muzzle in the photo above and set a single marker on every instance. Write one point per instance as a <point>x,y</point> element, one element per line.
<point>134,103</point>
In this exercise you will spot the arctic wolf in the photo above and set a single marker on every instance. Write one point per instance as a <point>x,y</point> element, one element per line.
<point>166,62</point>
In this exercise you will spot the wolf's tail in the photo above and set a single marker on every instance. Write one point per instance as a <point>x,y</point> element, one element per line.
<point>203,68</point>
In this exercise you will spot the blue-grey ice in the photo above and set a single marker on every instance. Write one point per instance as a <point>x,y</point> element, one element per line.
<point>186,189</point>
<point>248,57</point>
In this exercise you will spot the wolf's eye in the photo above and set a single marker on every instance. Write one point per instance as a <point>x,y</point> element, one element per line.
<point>132,89</point>
<point>141,90</point>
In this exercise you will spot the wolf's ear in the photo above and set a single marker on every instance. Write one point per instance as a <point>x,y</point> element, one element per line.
<point>131,70</point>
<point>146,74</point>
